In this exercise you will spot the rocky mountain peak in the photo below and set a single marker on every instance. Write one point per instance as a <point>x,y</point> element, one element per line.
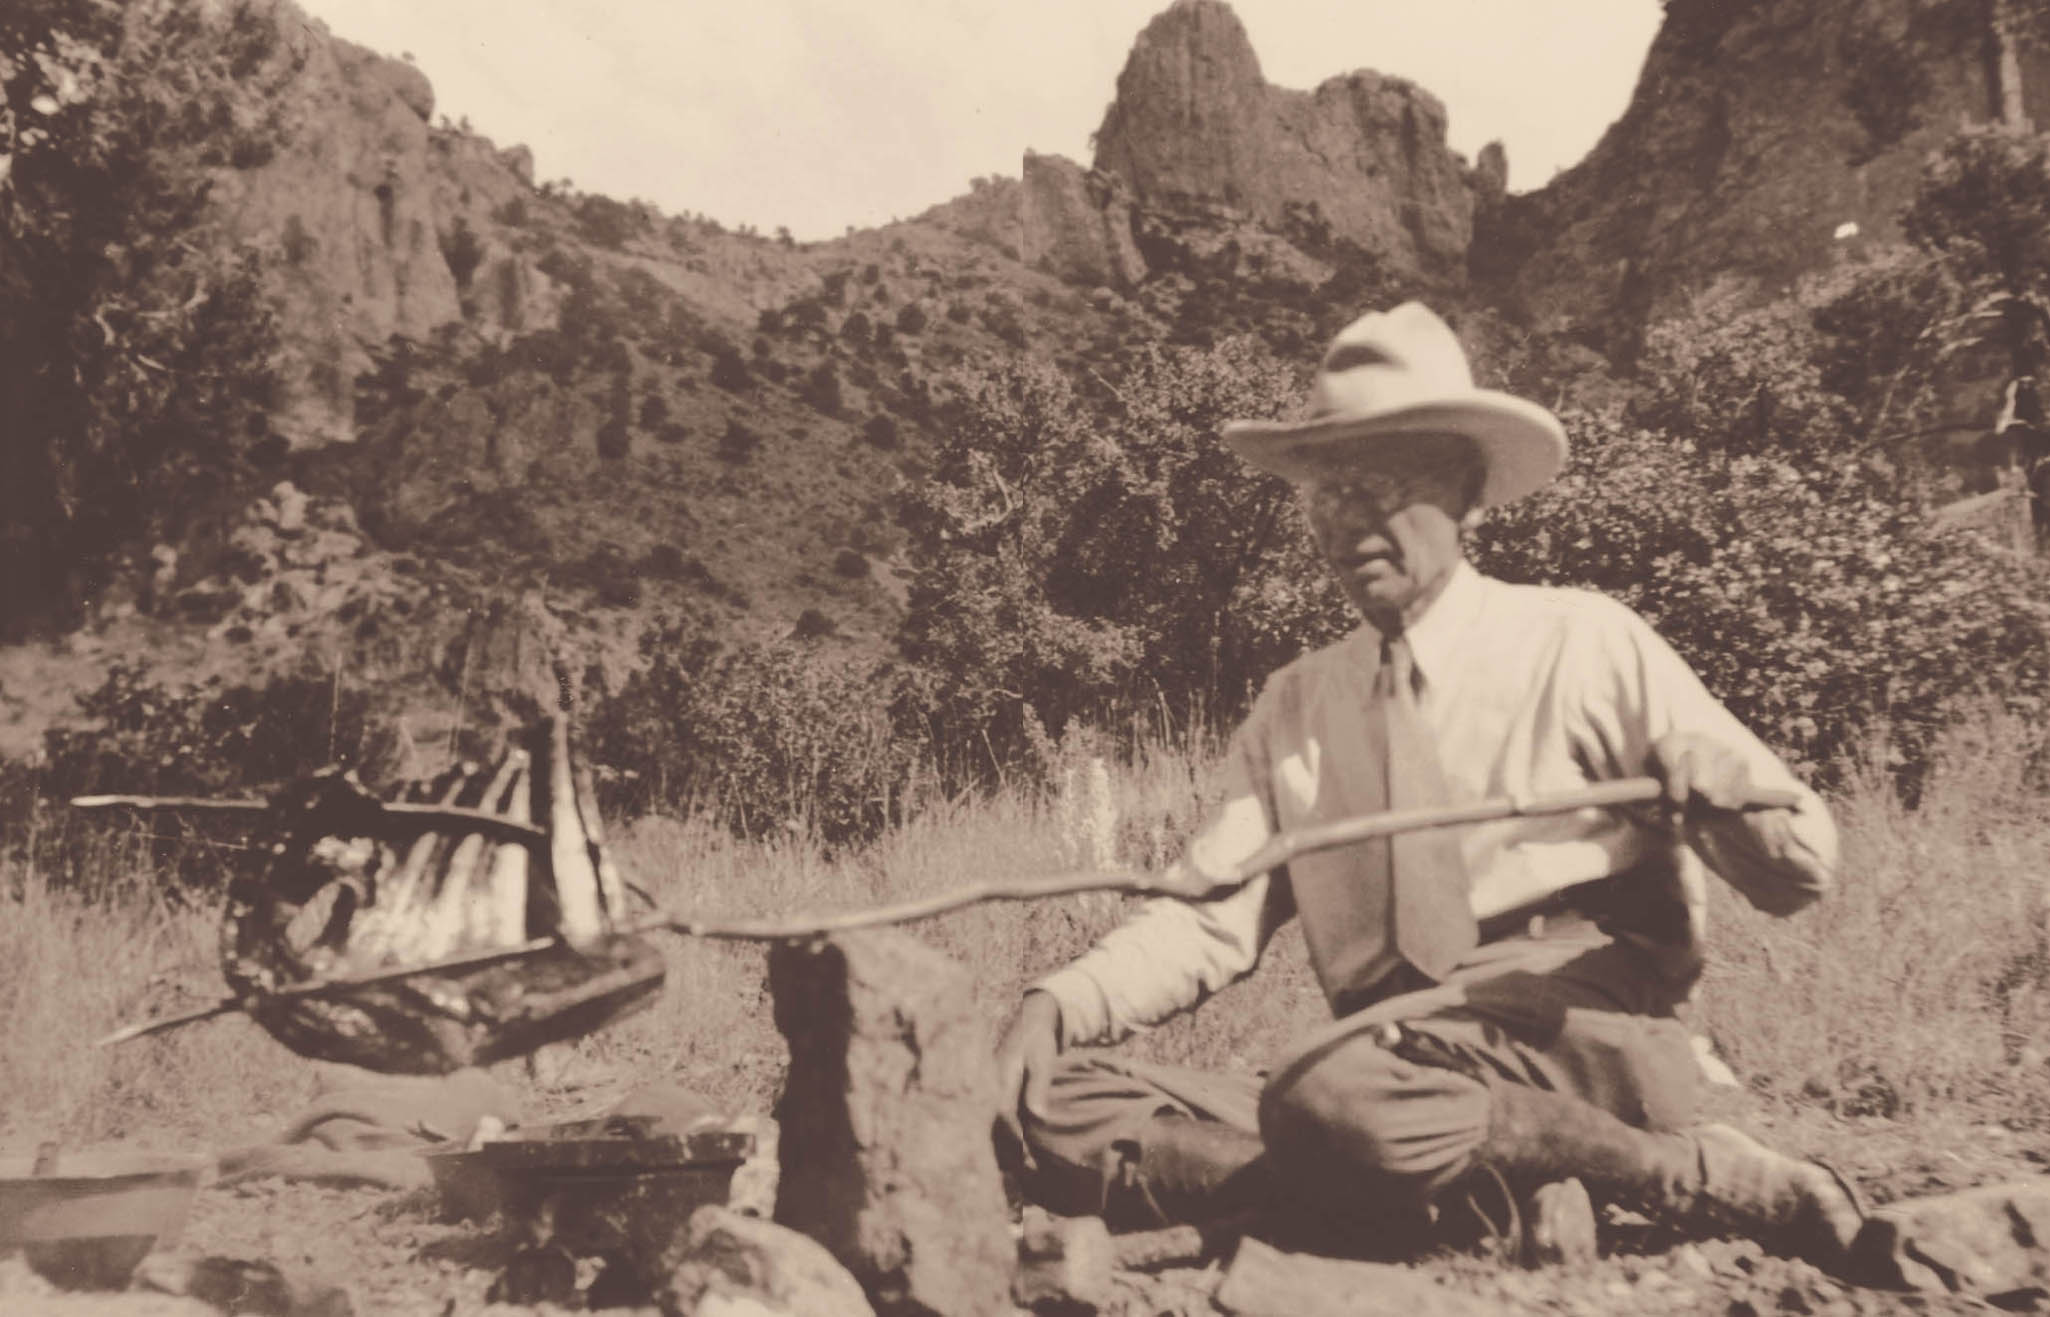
<point>1759,135</point>
<point>1361,159</point>
<point>1190,98</point>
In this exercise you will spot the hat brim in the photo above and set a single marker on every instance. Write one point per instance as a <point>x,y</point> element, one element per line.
<point>1523,445</point>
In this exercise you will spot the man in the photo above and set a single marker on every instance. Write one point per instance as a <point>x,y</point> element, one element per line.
<point>1503,993</point>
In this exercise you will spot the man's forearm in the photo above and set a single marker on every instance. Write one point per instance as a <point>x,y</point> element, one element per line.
<point>1166,959</point>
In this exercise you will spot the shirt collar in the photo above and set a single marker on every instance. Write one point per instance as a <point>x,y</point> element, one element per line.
<point>1435,639</point>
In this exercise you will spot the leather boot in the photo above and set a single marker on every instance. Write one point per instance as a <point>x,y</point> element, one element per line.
<point>1711,1177</point>
<point>1181,1171</point>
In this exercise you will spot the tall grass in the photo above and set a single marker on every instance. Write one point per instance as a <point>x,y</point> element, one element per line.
<point>1924,979</point>
<point>1923,982</point>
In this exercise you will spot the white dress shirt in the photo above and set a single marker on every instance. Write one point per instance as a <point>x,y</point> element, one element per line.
<point>1528,691</point>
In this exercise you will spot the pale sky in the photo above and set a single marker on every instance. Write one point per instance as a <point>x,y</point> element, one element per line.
<point>818,114</point>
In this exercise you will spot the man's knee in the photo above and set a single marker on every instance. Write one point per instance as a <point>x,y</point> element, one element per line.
<point>1361,1109</point>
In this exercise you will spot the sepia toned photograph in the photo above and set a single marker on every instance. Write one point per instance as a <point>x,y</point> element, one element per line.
<point>1114,658</point>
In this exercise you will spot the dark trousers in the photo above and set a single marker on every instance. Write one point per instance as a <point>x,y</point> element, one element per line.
<point>1345,1112</point>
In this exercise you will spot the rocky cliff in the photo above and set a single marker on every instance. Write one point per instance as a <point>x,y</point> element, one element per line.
<point>1076,224</point>
<point>1758,132</point>
<point>383,223</point>
<point>1362,158</point>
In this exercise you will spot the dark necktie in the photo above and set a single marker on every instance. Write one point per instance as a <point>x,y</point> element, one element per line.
<point>1429,910</point>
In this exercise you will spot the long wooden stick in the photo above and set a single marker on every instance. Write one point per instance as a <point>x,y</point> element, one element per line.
<point>413,812</point>
<point>1278,850</point>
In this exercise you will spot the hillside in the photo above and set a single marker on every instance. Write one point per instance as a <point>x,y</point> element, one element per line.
<point>450,388</point>
<point>482,386</point>
<point>1763,141</point>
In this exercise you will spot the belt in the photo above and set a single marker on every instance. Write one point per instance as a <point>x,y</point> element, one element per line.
<point>1589,900</point>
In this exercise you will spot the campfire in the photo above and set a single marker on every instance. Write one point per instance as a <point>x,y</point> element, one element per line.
<point>465,920</point>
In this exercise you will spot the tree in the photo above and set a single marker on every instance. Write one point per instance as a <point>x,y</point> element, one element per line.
<point>615,437</point>
<point>135,339</point>
<point>822,388</point>
<point>463,252</point>
<point>1074,552</point>
<point>1983,207</point>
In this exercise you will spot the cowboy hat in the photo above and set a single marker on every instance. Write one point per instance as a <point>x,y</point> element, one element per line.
<point>1402,372</point>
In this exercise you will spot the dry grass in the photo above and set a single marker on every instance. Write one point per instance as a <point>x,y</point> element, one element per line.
<point>1922,986</point>
<point>1924,980</point>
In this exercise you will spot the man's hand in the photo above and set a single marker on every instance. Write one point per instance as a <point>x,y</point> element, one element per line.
<point>1696,772</point>
<point>1025,1061</point>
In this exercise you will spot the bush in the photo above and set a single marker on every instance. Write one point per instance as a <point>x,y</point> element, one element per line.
<point>1813,601</point>
<point>910,318</point>
<point>664,561</point>
<point>768,736</point>
<point>813,625</point>
<point>606,223</point>
<point>739,442</point>
<point>463,252</point>
<point>880,430</point>
<point>1742,378</point>
<point>822,389</point>
<point>137,736</point>
<point>729,370</point>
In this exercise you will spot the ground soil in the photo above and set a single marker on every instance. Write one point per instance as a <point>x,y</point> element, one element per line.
<point>393,1255</point>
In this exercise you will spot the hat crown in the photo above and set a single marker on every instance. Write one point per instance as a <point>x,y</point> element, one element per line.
<point>1388,361</point>
<point>1403,372</point>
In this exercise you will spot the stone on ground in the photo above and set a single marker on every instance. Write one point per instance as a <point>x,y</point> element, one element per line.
<point>727,1265</point>
<point>1991,1240</point>
<point>886,1156</point>
<point>1065,1264</point>
<point>1263,1281</point>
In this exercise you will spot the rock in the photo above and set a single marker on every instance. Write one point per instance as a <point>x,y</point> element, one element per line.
<point>727,1265</point>
<point>1064,1264</point>
<point>1750,139</point>
<point>290,505</point>
<point>1194,121</point>
<point>1984,1241</point>
<point>409,84</point>
<point>1690,1261</point>
<point>1561,1227</point>
<point>520,161</point>
<point>352,202</point>
<point>1076,224</point>
<point>1491,175</point>
<point>259,1288</point>
<point>320,547</point>
<point>1265,1282</point>
<point>886,1156</point>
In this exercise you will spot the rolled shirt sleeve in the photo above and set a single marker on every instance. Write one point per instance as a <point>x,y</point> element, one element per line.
<point>1173,954</point>
<point>1640,691</point>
